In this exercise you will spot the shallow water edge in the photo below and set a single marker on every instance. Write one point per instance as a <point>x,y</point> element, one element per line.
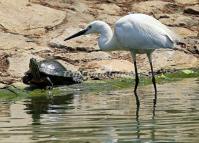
<point>20,90</point>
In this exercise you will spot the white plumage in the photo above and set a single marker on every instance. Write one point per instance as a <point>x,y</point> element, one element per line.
<point>137,33</point>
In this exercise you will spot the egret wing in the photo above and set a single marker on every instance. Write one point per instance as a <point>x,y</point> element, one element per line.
<point>143,32</point>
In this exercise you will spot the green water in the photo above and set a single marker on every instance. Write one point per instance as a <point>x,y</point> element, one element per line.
<point>104,117</point>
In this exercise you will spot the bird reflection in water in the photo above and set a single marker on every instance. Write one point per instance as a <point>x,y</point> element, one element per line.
<point>139,124</point>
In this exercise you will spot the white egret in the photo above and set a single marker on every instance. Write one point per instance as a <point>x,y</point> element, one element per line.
<point>137,33</point>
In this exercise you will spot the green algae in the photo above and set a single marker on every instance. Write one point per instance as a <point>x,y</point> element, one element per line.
<point>96,86</point>
<point>144,80</point>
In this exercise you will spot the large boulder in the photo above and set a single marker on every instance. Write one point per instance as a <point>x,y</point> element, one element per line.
<point>21,16</point>
<point>19,64</point>
<point>168,59</point>
<point>82,57</point>
<point>12,42</point>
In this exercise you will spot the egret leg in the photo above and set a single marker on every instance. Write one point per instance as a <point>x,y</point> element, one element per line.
<point>153,78</point>
<point>136,77</point>
<point>136,80</point>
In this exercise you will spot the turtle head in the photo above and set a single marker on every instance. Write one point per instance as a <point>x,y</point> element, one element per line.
<point>33,62</point>
<point>34,68</point>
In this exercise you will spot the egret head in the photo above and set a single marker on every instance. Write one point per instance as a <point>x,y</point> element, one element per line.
<point>93,27</point>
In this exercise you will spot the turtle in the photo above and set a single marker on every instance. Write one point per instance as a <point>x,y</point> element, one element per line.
<point>50,72</point>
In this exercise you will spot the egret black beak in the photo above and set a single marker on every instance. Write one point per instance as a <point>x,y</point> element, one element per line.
<point>77,34</point>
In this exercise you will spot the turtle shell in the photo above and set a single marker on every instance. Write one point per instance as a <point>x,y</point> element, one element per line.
<point>52,67</point>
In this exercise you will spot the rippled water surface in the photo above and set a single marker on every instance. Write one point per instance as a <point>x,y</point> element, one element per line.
<point>105,117</point>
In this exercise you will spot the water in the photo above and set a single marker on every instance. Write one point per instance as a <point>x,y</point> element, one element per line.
<point>105,118</point>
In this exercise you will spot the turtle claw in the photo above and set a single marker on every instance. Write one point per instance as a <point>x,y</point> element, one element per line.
<point>49,87</point>
<point>50,94</point>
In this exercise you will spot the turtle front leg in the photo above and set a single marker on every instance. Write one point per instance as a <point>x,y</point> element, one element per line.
<point>27,78</point>
<point>49,82</point>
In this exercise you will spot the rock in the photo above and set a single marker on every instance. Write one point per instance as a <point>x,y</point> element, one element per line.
<point>192,10</point>
<point>168,59</point>
<point>19,64</point>
<point>6,78</point>
<point>122,55</point>
<point>85,43</point>
<point>81,57</point>
<point>185,2</point>
<point>77,6</point>
<point>2,85</point>
<point>109,19</point>
<point>19,85</point>
<point>192,45</point>
<point>178,20</point>
<point>110,9</point>
<point>26,18</point>
<point>58,4</point>
<point>184,32</point>
<point>107,68</point>
<point>42,51</point>
<point>179,60</point>
<point>4,64</point>
<point>12,42</point>
<point>149,7</point>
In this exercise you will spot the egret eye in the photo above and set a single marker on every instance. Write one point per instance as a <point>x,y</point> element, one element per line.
<point>89,27</point>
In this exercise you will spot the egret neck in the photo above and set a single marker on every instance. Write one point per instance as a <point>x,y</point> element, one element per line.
<point>107,40</point>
